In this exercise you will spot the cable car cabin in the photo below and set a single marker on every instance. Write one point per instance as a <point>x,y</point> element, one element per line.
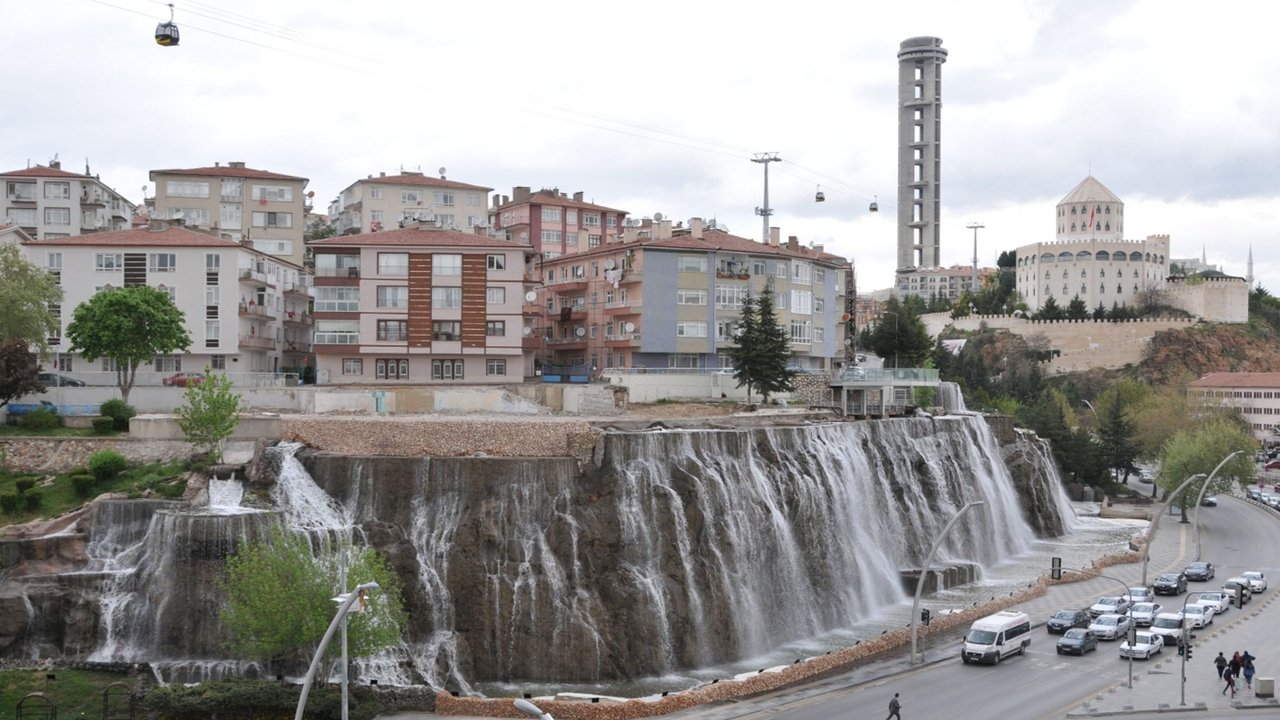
<point>167,34</point>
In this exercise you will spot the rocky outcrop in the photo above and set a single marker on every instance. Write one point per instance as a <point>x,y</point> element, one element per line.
<point>1175,355</point>
<point>1035,477</point>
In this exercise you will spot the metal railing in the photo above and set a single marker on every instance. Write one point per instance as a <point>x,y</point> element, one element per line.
<point>888,376</point>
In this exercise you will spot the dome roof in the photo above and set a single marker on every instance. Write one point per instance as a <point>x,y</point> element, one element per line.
<point>1089,191</point>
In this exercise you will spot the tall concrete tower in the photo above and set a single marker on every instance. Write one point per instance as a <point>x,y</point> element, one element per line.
<point>919,151</point>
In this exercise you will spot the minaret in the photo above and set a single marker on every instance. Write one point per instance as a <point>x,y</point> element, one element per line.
<point>919,165</point>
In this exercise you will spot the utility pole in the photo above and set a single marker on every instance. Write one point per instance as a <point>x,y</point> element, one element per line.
<point>975,227</point>
<point>766,211</point>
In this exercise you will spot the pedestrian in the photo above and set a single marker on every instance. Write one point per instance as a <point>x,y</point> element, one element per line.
<point>894,707</point>
<point>1247,660</point>
<point>1220,662</point>
<point>1231,684</point>
<point>1234,666</point>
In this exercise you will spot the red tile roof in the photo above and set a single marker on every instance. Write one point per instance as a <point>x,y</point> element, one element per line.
<point>546,197</point>
<point>420,237</point>
<point>42,171</point>
<point>226,171</point>
<point>1239,380</point>
<point>419,180</point>
<point>171,237</point>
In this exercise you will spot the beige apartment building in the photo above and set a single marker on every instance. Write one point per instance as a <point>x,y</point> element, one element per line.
<point>238,203</point>
<point>1256,396</point>
<point>49,202</point>
<point>554,223</point>
<point>387,202</point>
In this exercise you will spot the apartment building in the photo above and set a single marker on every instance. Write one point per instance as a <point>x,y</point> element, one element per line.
<point>1256,396</point>
<point>238,203</point>
<point>420,304</point>
<point>948,283</point>
<point>671,297</point>
<point>49,202</point>
<point>387,202</point>
<point>554,223</point>
<point>246,311</point>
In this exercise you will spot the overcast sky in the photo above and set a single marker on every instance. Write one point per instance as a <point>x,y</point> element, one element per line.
<point>658,106</point>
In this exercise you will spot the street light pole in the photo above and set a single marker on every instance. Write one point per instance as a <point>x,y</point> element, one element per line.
<point>937,543</point>
<point>1131,633</point>
<point>975,227</point>
<point>346,602</point>
<point>766,211</point>
<point>1155,522</point>
<point>1195,514</point>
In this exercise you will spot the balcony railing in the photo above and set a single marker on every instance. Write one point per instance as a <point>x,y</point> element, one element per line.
<point>352,272</point>
<point>298,318</point>
<point>298,346</point>
<point>257,341</point>
<point>256,310</point>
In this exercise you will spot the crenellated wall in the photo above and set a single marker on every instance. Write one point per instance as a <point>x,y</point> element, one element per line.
<point>1219,299</point>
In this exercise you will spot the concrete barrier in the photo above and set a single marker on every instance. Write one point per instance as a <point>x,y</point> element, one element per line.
<point>1264,687</point>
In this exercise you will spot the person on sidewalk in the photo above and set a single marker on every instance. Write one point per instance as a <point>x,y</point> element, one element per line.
<point>1234,666</point>
<point>1220,662</point>
<point>1247,660</point>
<point>894,707</point>
<point>1231,684</point>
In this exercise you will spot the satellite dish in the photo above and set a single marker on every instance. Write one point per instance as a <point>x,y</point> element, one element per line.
<point>580,331</point>
<point>608,264</point>
<point>442,171</point>
<point>311,193</point>
<point>439,223</point>
<point>657,217</point>
<point>530,296</point>
<point>524,236</point>
<point>528,331</point>
<point>629,327</point>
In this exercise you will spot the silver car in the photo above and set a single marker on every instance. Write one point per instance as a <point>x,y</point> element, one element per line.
<point>1144,612</point>
<point>1257,580</point>
<point>1198,616</point>
<point>1110,626</point>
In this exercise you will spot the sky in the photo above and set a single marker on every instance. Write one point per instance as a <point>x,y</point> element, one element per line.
<point>658,107</point>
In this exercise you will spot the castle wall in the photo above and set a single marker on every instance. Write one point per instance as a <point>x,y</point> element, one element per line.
<point>1219,299</point>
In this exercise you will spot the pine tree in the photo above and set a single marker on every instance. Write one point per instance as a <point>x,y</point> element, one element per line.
<point>772,349</point>
<point>744,343</point>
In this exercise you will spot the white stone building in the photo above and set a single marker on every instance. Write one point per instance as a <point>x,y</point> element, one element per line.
<point>1255,395</point>
<point>49,202</point>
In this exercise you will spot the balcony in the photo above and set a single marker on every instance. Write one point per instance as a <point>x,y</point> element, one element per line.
<point>569,343</point>
<point>532,342</point>
<point>531,310</point>
<point>337,276</point>
<point>631,277</point>
<point>298,346</point>
<point>568,286</point>
<point>297,288</point>
<point>621,308</point>
<point>575,313</point>
<point>248,275</point>
<point>622,341</point>
<point>93,198</point>
<point>257,342</point>
<point>255,311</point>
<point>22,197</point>
<point>300,319</point>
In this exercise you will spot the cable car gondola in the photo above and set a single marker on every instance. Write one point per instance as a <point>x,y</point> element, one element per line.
<point>167,32</point>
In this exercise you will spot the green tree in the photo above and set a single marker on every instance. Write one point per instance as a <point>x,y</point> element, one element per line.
<point>18,371</point>
<point>1050,310</point>
<point>762,348</point>
<point>742,352</point>
<point>211,413</point>
<point>900,336</point>
<point>130,326</point>
<point>278,598</point>
<point>1077,310</point>
<point>1199,449</point>
<point>1115,434</point>
<point>26,292</point>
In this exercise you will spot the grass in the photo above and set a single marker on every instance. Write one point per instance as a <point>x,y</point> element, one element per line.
<point>77,693</point>
<point>19,431</point>
<point>59,495</point>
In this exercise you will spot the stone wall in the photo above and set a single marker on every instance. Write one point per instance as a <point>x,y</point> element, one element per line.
<point>433,436</point>
<point>1220,299</point>
<point>57,455</point>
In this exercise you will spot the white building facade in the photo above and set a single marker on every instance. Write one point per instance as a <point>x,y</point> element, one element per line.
<point>49,202</point>
<point>1256,396</point>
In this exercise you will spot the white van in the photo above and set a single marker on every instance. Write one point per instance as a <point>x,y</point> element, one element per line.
<point>996,637</point>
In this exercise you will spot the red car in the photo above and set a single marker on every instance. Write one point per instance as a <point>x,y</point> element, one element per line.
<point>183,379</point>
<point>1273,465</point>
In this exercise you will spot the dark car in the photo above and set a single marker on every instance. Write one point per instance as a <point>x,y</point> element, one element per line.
<point>1077,641</point>
<point>56,380</point>
<point>1171,584</point>
<point>1064,620</point>
<point>1201,571</point>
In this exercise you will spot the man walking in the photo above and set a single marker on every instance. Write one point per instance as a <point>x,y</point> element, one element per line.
<point>1220,662</point>
<point>894,707</point>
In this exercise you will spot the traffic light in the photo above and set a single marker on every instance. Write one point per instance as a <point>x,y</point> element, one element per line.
<point>1187,655</point>
<point>924,617</point>
<point>1184,646</point>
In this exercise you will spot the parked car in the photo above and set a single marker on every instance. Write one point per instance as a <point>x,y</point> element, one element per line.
<point>1238,585</point>
<point>1145,644</point>
<point>1144,613</point>
<point>1202,571</point>
<point>1168,625</point>
<point>1219,600</point>
<point>1255,494</point>
<point>56,380</point>
<point>183,379</point>
<point>1110,626</point>
<point>1197,616</point>
<point>1273,465</point>
<point>1139,594</point>
<point>1064,620</point>
<point>1116,605</point>
<point>1210,501</point>
<point>1257,581</point>
<point>1077,641</point>
<point>1171,584</point>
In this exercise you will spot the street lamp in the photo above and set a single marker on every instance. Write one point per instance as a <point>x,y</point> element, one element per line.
<point>1131,637</point>
<point>937,543</point>
<point>975,227</point>
<point>346,601</point>
<point>532,710</point>
<point>1155,522</point>
<point>1195,514</point>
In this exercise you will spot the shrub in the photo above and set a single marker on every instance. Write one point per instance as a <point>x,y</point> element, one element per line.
<point>33,498</point>
<point>24,484</point>
<point>172,490</point>
<point>83,484</point>
<point>107,464</point>
<point>42,419</point>
<point>119,411</point>
<point>9,503</point>
<point>103,425</point>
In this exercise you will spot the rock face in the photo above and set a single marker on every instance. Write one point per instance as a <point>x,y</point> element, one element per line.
<point>1197,351</point>
<point>1035,478</point>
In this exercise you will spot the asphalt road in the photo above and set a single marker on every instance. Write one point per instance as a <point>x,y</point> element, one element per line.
<point>1041,684</point>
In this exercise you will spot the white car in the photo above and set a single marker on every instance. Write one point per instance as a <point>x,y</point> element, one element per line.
<point>1198,616</point>
<point>1145,645</point>
<point>1139,594</point>
<point>1219,601</point>
<point>1257,581</point>
<point>1110,626</point>
<point>1108,604</point>
<point>1144,612</point>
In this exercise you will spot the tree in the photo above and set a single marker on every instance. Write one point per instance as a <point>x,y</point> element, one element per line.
<point>1077,310</point>
<point>1115,434</point>
<point>742,353</point>
<point>1199,449</point>
<point>211,413</point>
<point>1050,310</point>
<point>900,336</point>
<point>278,598</point>
<point>762,348</point>
<point>129,326</point>
<point>26,292</point>
<point>19,371</point>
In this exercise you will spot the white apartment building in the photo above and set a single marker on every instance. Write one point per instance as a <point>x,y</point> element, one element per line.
<point>387,202</point>
<point>1256,396</point>
<point>246,311</point>
<point>237,203</point>
<point>49,202</point>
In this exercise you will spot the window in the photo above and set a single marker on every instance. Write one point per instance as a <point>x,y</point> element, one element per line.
<point>819,305</point>
<point>53,261</point>
<point>801,302</point>
<point>57,216</point>
<point>393,263</point>
<point>171,291</point>
<point>26,217</point>
<point>57,191</point>
<point>473,198</point>
<point>445,220</point>
<point>593,240</point>
<point>551,236</point>
<point>352,366</point>
<point>444,197</point>
<point>550,214</point>
<point>495,295</point>
<point>393,330</point>
<point>161,262</point>
<point>691,263</point>
<point>591,219</point>
<point>691,329</point>
<point>212,296</point>
<point>611,221</point>
<point>730,296</point>
<point>273,193</point>
<point>446,298</point>
<point>218,362</point>
<point>800,272</point>
<point>780,270</point>
<point>391,368</point>
<point>212,262</point>
<point>800,331</point>
<point>494,366</point>
<point>212,333</point>
<point>446,369</point>
<point>337,299</point>
<point>108,262</point>
<point>495,328</point>
<point>409,197</point>
<point>393,296</point>
<point>168,363</point>
<point>819,334</point>
<point>496,262</point>
<point>273,220</point>
<point>725,330</point>
<point>179,188</point>
<point>691,297</point>
<point>684,361</point>
<point>446,265</point>
<point>375,193</point>
<point>757,267</point>
<point>571,216</point>
<point>337,332</point>
<point>819,276</point>
<point>375,216</point>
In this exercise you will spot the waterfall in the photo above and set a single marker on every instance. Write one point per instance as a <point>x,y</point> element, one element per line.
<point>225,495</point>
<point>950,398</point>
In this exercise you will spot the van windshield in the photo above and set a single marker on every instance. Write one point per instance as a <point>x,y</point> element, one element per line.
<point>981,637</point>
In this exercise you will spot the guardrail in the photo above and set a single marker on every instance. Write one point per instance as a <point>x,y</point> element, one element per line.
<point>888,376</point>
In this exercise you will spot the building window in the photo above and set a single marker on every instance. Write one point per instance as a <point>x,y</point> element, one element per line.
<point>496,262</point>
<point>495,328</point>
<point>108,262</point>
<point>591,219</point>
<point>168,363</point>
<point>691,297</point>
<point>409,197</point>
<point>446,265</point>
<point>337,299</point>
<point>218,362</point>
<point>611,220</point>
<point>446,298</point>
<point>57,191</point>
<point>444,197</point>
<point>273,193</point>
<point>801,302</point>
<point>495,295</point>
<point>494,366</point>
<point>212,262</point>
<point>375,216</point>
<point>684,361</point>
<point>780,270</point>
<point>446,370</point>
<point>550,214</point>
<point>375,193</point>
<point>819,276</point>
<point>730,296</point>
<point>393,263</point>
<point>212,333</point>
<point>819,305</point>
<point>552,236</point>
<point>161,262</point>
<point>352,366</point>
<point>393,296</point>
<point>391,369</point>
<point>393,330</point>
<point>691,263</point>
<point>446,330</point>
<point>337,332</point>
<point>177,188</point>
<point>800,331</point>
<point>800,273</point>
<point>273,220</point>
<point>691,329</point>
<point>593,240</point>
<point>819,334</point>
<point>57,216</point>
